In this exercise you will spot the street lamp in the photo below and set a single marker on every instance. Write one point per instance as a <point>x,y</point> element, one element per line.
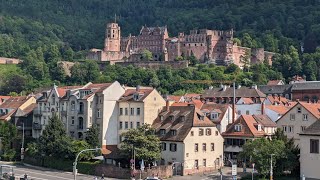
<point>22,146</point>
<point>271,171</point>
<point>75,162</point>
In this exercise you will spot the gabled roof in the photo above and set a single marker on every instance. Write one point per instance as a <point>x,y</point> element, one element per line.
<point>248,128</point>
<point>228,92</point>
<point>143,92</point>
<point>209,107</point>
<point>313,108</point>
<point>4,98</point>
<point>13,104</point>
<point>185,118</point>
<point>278,99</point>
<point>264,120</point>
<point>246,100</point>
<point>26,111</point>
<point>174,98</point>
<point>278,108</point>
<point>275,82</point>
<point>194,102</point>
<point>313,129</point>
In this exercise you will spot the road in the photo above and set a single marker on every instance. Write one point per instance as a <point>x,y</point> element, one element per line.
<point>48,174</point>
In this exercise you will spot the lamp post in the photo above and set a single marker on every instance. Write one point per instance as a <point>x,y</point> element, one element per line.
<point>75,162</point>
<point>22,144</point>
<point>271,171</point>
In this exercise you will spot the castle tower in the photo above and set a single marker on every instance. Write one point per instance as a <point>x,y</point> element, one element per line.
<point>112,38</point>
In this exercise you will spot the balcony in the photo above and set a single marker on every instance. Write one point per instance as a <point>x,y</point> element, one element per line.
<point>80,112</point>
<point>37,126</point>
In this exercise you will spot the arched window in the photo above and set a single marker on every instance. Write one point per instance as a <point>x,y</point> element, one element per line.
<point>81,107</point>
<point>80,123</point>
<point>306,98</point>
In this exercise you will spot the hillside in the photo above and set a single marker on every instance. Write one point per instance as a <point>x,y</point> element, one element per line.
<point>84,20</point>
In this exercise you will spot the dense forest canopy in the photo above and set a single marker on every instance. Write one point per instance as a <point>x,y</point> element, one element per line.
<point>45,32</point>
<point>83,22</point>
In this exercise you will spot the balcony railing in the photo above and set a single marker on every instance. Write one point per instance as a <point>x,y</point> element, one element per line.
<point>36,126</point>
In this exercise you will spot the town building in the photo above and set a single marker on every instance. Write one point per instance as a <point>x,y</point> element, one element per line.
<point>275,82</point>
<point>246,127</point>
<point>209,46</point>
<point>189,140</point>
<point>18,111</point>
<point>274,112</point>
<point>79,107</point>
<point>219,114</point>
<point>138,106</point>
<point>4,98</point>
<point>298,118</point>
<point>309,152</point>
<point>5,60</point>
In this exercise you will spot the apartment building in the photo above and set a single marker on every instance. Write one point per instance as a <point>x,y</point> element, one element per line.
<point>189,140</point>
<point>298,118</point>
<point>137,106</point>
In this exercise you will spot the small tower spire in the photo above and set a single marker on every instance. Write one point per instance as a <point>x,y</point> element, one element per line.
<point>115,18</point>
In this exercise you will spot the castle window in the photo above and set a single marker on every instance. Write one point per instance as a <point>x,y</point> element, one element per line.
<point>201,44</point>
<point>195,44</point>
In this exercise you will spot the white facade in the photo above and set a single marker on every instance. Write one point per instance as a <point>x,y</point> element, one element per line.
<point>295,121</point>
<point>244,108</point>
<point>206,150</point>
<point>309,161</point>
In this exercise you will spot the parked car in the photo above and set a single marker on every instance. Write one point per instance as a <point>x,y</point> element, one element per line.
<point>152,178</point>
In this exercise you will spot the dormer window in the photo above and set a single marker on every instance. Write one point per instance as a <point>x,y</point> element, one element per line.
<point>259,127</point>
<point>214,116</point>
<point>201,118</point>
<point>162,132</point>
<point>237,128</point>
<point>136,97</point>
<point>173,132</point>
<point>161,118</point>
<point>183,118</point>
<point>171,118</point>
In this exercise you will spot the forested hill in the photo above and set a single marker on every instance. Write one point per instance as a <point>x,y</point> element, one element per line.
<point>81,23</point>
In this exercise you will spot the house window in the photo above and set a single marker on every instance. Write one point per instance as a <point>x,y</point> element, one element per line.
<point>208,132</point>
<point>204,163</point>
<point>138,124</point>
<point>121,111</point>
<point>299,109</point>
<point>247,112</point>
<point>196,163</point>
<point>200,132</point>
<point>138,111</point>
<point>237,128</point>
<point>126,125</point>
<point>212,146</point>
<point>314,146</point>
<point>217,133</point>
<point>303,128</point>
<point>305,117</point>
<point>284,128</point>
<point>131,124</point>
<point>292,117</point>
<point>98,113</point>
<point>120,125</point>
<point>73,105</point>
<point>173,132</point>
<point>126,111</point>
<point>192,133</point>
<point>214,116</point>
<point>173,147</point>
<point>72,120</point>
<point>204,147</point>
<point>162,131</point>
<point>131,111</point>
<point>239,112</point>
<point>196,148</point>
<point>163,146</point>
<point>290,128</point>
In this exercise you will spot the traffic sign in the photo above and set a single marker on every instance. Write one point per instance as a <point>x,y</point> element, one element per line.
<point>234,170</point>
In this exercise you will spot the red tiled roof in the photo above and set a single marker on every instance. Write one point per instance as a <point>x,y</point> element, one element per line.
<point>313,108</point>
<point>128,95</point>
<point>278,108</point>
<point>192,95</point>
<point>14,102</point>
<point>248,127</point>
<point>247,100</point>
<point>273,82</point>
<point>174,98</point>
<point>215,107</point>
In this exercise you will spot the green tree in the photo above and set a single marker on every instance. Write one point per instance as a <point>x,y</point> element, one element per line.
<point>193,60</point>
<point>144,141</point>
<point>146,55</point>
<point>246,60</point>
<point>290,161</point>
<point>92,137</point>
<point>259,152</point>
<point>54,140</point>
<point>8,133</point>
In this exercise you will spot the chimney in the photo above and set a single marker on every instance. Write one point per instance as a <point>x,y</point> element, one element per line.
<point>239,86</point>
<point>262,108</point>
<point>138,88</point>
<point>167,105</point>
<point>297,100</point>
<point>224,87</point>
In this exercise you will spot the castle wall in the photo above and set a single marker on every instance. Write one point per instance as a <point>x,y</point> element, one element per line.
<point>239,53</point>
<point>156,64</point>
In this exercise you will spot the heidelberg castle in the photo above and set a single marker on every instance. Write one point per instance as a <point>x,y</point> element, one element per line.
<point>209,46</point>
